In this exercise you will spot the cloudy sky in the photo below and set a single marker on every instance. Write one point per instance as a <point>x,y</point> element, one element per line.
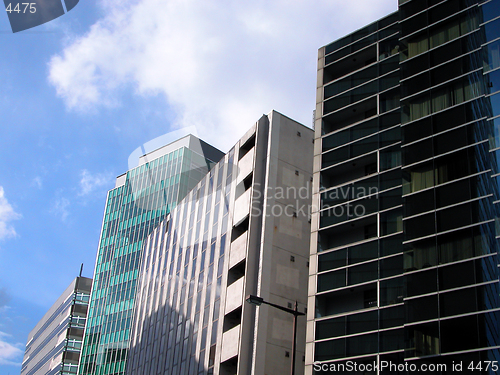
<point>80,93</point>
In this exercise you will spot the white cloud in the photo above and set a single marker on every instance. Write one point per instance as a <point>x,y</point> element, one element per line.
<point>9,354</point>
<point>60,208</point>
<point>7,214</point>
<point>37,182</point>
<point>90,182</point>
<point>219,66</point>
<point>5,308</point>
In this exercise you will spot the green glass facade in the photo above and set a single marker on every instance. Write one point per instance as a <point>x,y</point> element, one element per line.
<point>146,195</point>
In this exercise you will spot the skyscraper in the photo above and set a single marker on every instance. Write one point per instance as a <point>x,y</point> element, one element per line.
<point>404,249</point>
<point>142,198</point>
<point>244,229</point>
<point>54,345</point>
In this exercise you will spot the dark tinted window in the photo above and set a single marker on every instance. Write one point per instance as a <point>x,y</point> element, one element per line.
<point>421,283</point>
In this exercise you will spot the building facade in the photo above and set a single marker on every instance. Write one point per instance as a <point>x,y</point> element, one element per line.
<point>244,229</point>
<point>142,198</point>
<point>54,345</point>
<point>404,248</point>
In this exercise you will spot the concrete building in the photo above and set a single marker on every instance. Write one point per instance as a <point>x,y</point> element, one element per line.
<point>142,198</point>
<point>55,343</point>
<point>244,229</point>
<point>404,249</point>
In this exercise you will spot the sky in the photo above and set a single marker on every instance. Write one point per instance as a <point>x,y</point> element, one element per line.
<point>80,93</point>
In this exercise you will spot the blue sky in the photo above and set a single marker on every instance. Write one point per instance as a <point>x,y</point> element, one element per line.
<point>80,93</point>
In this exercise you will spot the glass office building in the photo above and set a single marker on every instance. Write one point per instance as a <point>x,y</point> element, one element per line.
<point>236,233</point>
<point>54,345</point>
<point>142,198</point>
<point>404,247</point>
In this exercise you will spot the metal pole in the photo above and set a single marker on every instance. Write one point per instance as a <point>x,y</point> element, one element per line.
<point>294,342</point>
<point>255,300</point>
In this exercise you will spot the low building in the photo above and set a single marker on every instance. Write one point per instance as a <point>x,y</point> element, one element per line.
<point>54,345</point>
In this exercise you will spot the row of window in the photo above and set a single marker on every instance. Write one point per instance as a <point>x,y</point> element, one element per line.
<point>363,76</point>
<point>387,26</point>
<point>359,274</point>
<point>439,34</point>
<point>445,336</point>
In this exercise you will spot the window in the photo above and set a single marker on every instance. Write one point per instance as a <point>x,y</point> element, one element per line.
<point>331,280</point>
<point>391,266</point>
<point>362,322</point>
<point>332,260</point>
<point>391,221</point>
<point>419,226</point>
<point>420,254</point>
<point>454,330</point>
<point>457,302</point>
<point>421,282</point>
<point>392,317</point>
<point>359,345</point>
<point>423,340</point>
<point>362,273</point>
<point>331,349</point>
<point>391,291</point>
<point>422,309</point>
<point>455,246</point>
<point>392,340</point>
<point>330,328</point>
<point>439,99</point>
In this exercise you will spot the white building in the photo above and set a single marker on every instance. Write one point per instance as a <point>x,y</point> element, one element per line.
<point>244,229</point>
